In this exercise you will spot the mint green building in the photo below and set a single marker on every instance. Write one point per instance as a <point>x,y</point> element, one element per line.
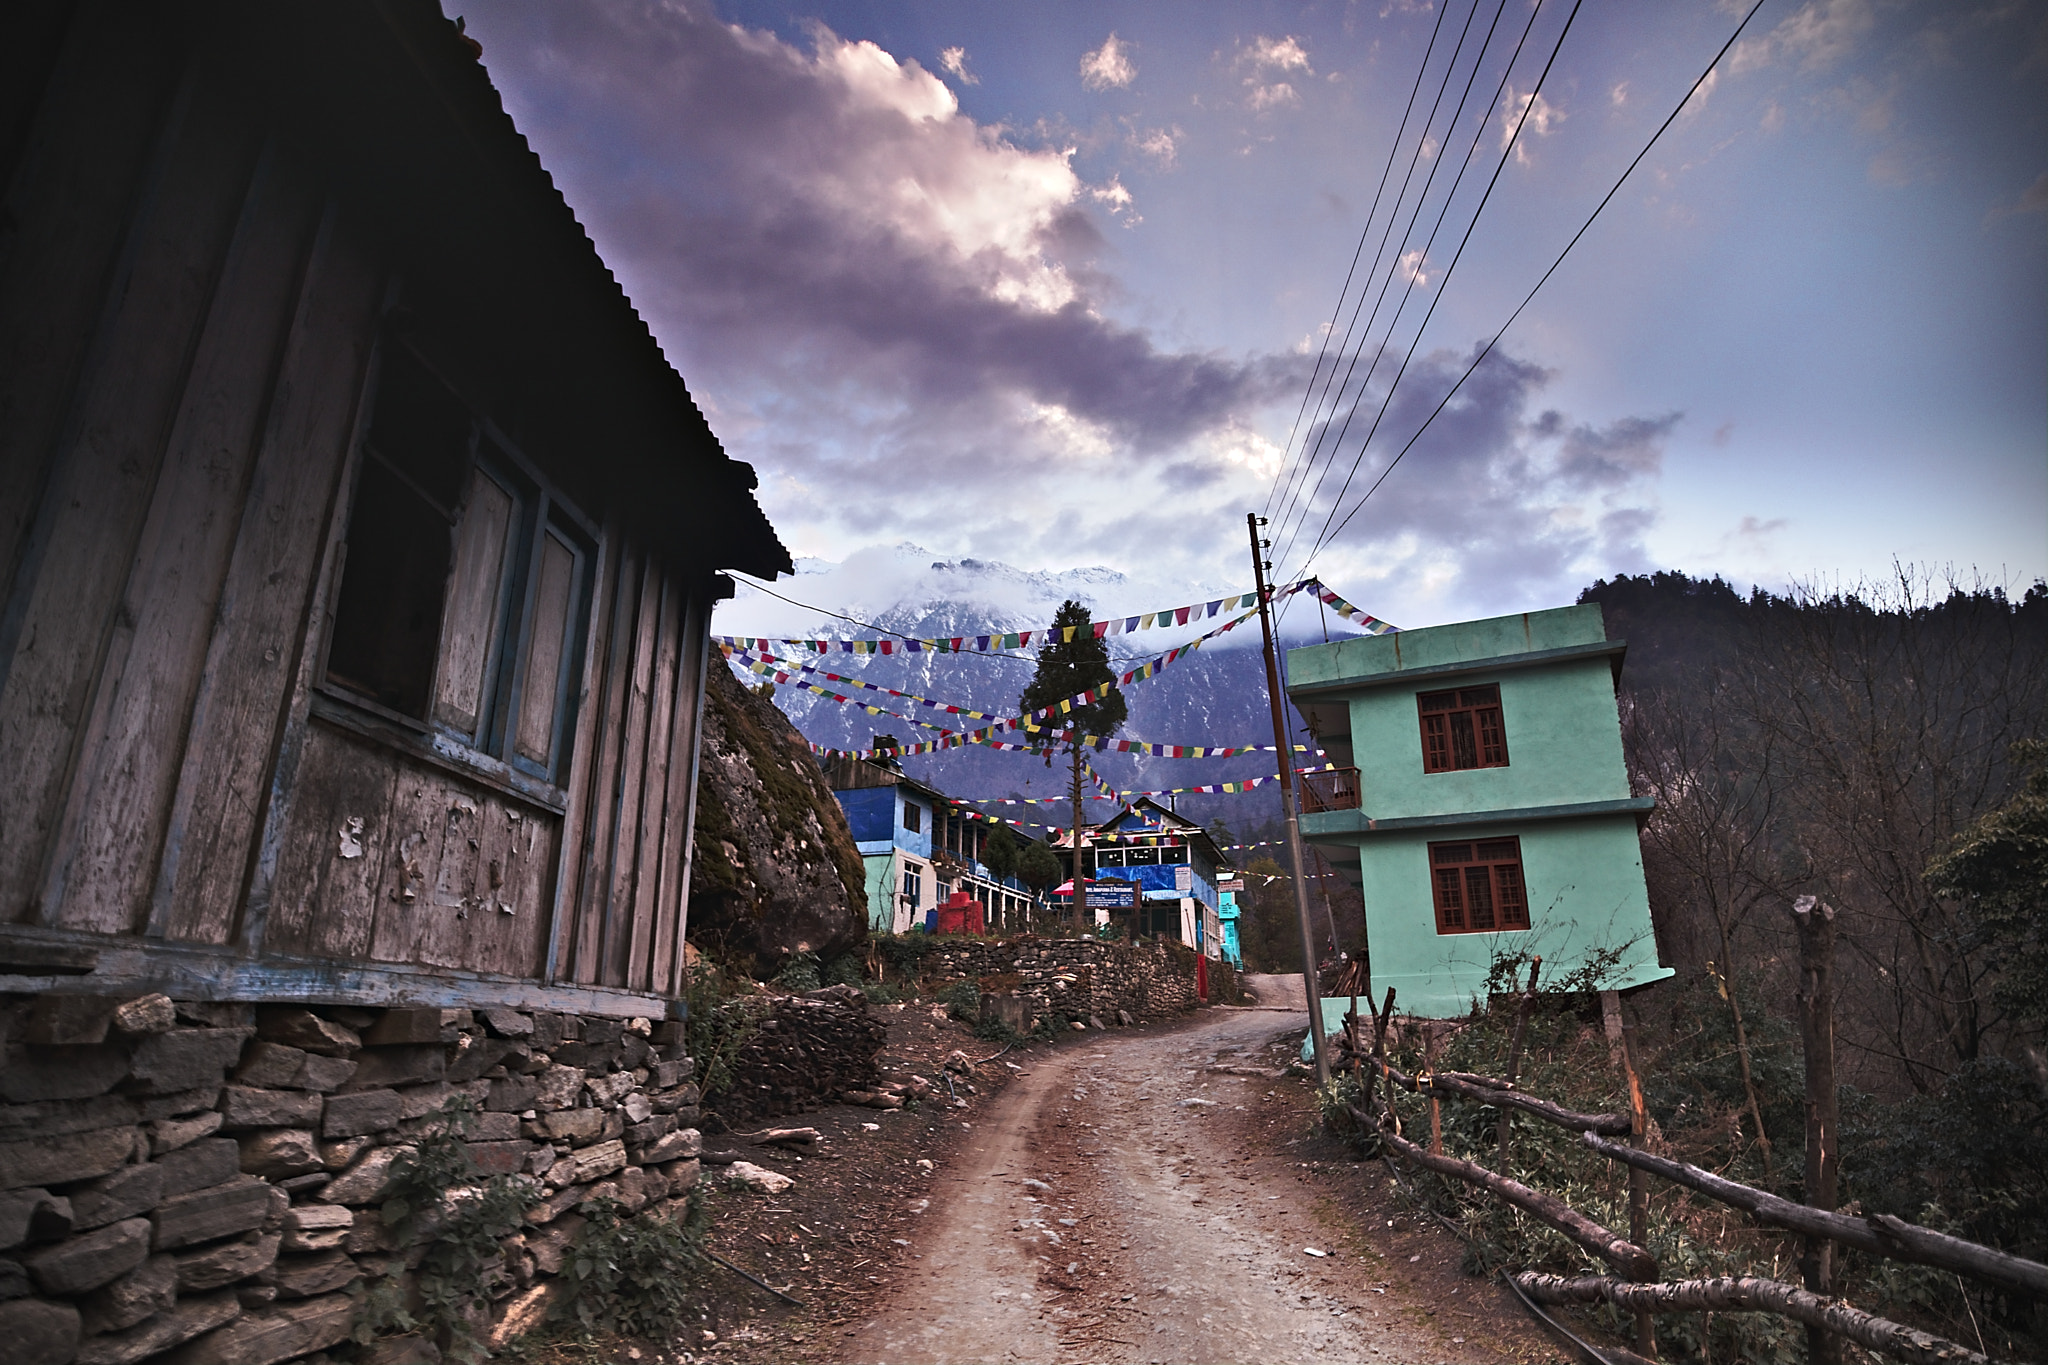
<point>1490,810</point>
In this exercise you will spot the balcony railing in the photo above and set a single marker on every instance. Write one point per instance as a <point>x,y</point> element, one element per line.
<point>1333,789</point>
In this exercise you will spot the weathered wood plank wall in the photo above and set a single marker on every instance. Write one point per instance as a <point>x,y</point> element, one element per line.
<point>189,330</point>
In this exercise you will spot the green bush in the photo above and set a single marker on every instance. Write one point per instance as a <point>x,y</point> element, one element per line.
<point>437,1197</point>
<point>963,1000</point>
<point>845,970</point>
<point>718,1027</point>
<point>632,1275</point>
<point>799,974</point>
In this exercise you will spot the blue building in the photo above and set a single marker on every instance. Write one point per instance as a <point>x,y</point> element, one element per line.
<point>919,847</point>
<point>1176,865</point>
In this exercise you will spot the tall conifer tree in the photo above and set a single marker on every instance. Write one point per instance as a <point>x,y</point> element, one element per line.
<point>1066,669</point>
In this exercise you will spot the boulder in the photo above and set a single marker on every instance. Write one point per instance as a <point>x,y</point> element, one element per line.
<point>366,1111</point>
<point>64,1159</point>
<point>30,1075</point>
<point>185,1058</point>
<point>508,1023</point>
<point>316,1227</point>
<point>303,1277</point>
<point>776,871</point>
<point>244,1107</point>
<point>146,1014</point>
<point>759,1179</point>
<point>280,1152</point>
<point>365,1182</point>
<point>201,1165</point>
<point>168,1135</point>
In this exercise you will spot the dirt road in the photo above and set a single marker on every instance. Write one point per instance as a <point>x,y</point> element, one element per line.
<point>1115,1205</point>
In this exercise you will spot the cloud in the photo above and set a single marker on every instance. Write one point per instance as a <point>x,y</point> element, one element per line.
<point>1161,144</point>
<point>1529,115</point>
<point>2032,199</point>
<point>900,314</point>
<point>1277,54</point>
<point>953,61</point>
<point>1264,58</point>
<point>1265,97</point>
<point>1816,35</point>
<point>1108,67</point>
<point>1499,504</point>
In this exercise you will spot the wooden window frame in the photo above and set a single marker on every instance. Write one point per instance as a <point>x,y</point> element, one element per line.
<point>1462,729</point>
<point>1477,886</point>
<point>913,816</point>
<point>490,743</point>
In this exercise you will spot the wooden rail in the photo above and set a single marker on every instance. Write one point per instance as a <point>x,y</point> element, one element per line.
<point>1879,1234</point>
<point>1748,1294</point>
<point>1609,1246</point>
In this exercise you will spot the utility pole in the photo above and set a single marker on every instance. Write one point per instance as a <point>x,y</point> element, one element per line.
<point>1080,886</point>
<point>1310,985</point>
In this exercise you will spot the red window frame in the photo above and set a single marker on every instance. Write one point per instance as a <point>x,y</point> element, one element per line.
<point>1478,887</point>
<point>1462,728</point>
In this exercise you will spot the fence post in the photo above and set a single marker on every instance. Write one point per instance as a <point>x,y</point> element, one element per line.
<point>1638,1180</point>
<point>1815,923</point>
<point>1515,1054</point>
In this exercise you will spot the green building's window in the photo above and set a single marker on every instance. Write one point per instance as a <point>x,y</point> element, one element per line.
<point>1462,728</point>
<point>1478,886</point>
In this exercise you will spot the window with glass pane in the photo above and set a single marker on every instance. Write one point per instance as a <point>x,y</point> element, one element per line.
<point>1461,728</point>
<point>1477,886</point>
<point>464,597</point>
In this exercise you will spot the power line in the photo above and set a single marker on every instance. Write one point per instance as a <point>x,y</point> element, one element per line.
<point>1321,428</point>
<point>1325,538</point>
<point>1443,286</point>
<point>1450,196</point>
<point>1393,149</point>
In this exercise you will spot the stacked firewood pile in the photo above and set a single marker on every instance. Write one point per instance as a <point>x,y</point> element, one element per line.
<point>807,1053</point>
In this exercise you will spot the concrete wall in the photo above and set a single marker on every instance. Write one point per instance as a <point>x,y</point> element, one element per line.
<point>1564,744</point>
<point>1584,880</point>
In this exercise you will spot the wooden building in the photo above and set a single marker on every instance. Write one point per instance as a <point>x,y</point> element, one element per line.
<point>357,541</point>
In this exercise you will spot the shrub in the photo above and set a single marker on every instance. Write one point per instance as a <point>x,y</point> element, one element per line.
<point>799,974</point>
<point>963,1000</point>
<point>436,1197</point>
<point>632,1275</point>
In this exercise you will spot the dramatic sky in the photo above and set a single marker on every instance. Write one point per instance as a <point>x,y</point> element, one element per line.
<point>1048,284</point>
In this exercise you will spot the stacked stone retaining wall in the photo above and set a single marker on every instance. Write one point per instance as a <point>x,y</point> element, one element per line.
<point>201,1183</point>
<point>1065,979</point>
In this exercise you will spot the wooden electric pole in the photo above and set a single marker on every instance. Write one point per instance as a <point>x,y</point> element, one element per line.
<point>1310,985</point>
<point>1080,886</point>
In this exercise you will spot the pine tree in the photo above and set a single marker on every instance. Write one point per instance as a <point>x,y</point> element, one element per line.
<point>1066,669</point>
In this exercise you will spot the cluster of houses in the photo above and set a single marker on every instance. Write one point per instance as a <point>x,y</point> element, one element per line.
<point>1155,872</point>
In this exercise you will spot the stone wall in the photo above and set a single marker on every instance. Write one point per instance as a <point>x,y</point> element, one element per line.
<point>202,1183</point>
<point>1064,979</point>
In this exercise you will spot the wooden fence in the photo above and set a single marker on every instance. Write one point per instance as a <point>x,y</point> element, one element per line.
<point>1635,1285</point>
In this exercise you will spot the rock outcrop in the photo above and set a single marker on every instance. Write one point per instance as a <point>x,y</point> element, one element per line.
<point>775,872</point>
